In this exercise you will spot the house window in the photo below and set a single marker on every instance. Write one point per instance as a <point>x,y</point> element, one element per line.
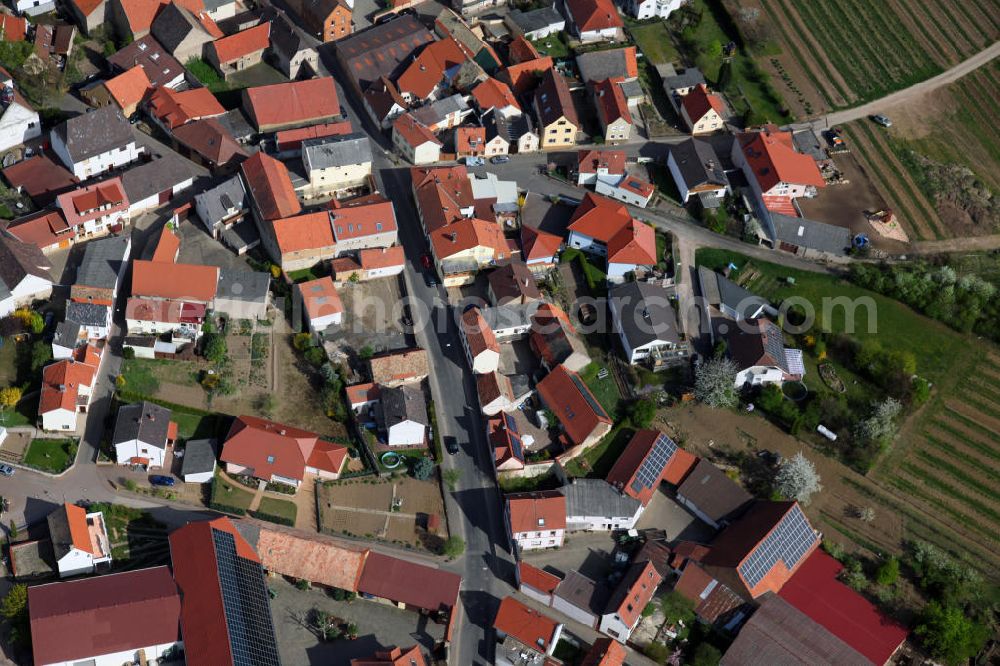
<point>270,459</point>
<point>378,226</point>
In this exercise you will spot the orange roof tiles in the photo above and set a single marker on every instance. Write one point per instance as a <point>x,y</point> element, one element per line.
<point>466,234</point>
<point>571,401</point>
<point>167,245</point>
<point>413,131</point>
<point>442,193</point>
<point>87,7</point>
<point>320,298</point>
<point>358,394</point>
<point>377,257</point>
<point>93,201</point>
<point>180,282</point>
<point>430,67</point>
<point>312,558</point>
<point>478,334</point>
<point>328,457</point>
<point>44,230</point>
<point>268,448</point>
<point>537,511</point>
<point>521,50</point>
<point>634,244</point>
<point>173,108</point>
<point>372,216</point>
<point>76,519</point>
<point>611,101</point>
<point>599,217</point>
<point>400,366</point>
<point>527,626</point>
<point>129,88</point>
<point>297,102</point>
<point>494,94</point>
<point>635,592</point>
<point>293,138</point>
<point>536,578</point>
<point>270,186</point>
<point>589,161</point>
<point>243,43</point>
<point>773,160</point>
<point>61,382</point>
<point>311,231</point>
<point>521,76</point>
<point>394,656</point>
<point>538,244</point>
<point>13,28</point>
<point>591,15</point>
<point>605,652</point>
<point>470,140</point>
<point>699,102</point>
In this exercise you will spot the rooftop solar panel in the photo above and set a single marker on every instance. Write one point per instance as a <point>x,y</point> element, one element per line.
<point>517,446</point>
<point>653,464</point>
<point>788,542</point>
<point>588,396</point>
<point>509,422</point>
<point>246,604</point>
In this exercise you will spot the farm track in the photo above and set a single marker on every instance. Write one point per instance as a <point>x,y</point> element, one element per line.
<point>914,222</point>
<point>946,50</point>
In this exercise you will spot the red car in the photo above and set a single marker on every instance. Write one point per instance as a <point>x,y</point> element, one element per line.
<point>426,261</point>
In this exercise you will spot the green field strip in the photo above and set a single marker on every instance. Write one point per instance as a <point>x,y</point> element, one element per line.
<point>888,63</point>
<point>911,488</point>
<point>890,161</point>
<point>874,548</point>
<point>959,452</point>
<point>920,17</point>
<point>985,408</point>
<point>981,560</point>
<point>900,37</point>
<point>989,16</point>
<point>929,38</point>
<point>959,474</point>
<point>925,476</point>
<point>803,64</point>
<point>959,436</point>
<point>981,390</point>
<point>971,90</point>
<point>832,40</point>
<point>945,9</point>
<point>975,23</point>
<point>986,376</point>
<point>973,425</point>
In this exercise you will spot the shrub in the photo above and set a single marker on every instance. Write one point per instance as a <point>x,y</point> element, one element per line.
<point>303,584</point>
<point>302,341</point>
<point>888,572</point>
<point>423,469</point>
<point>271,518</point>
<point>128,353</point>
<point>949,634</point>
<point>315,356</point>
<point>9,397</point>
<point>453,547</point>
<point>215,348</point>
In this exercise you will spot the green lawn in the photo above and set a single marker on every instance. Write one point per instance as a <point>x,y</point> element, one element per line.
<point>24,414</point>
<point>554,46</point>
<point>409,456</point>
<point>601,457</point>
<point>272,506</point>
<point>654,41</point>
<point>8,362</point>
<point>306,274</point>
<point>143,375</point>
<point>229,494</point>
<point>206,75</point>
<point>594,275</point>
<point>938,349</point>
<point>199,426</point>
<point>50,455</point>
<point>605,390</point>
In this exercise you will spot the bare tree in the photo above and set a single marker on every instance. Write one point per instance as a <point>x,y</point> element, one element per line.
<point>715,383</point>
<point>866,514</point>
<point>797,479</point>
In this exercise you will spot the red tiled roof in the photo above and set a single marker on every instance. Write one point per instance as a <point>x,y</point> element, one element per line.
<point>605,652</point>
<point>243,43</point>
<point>588,161</point>
<point>44,229</point>
<point>699,102</point>
<point>183,282</point>
<point>590,15</point>
<point>773,160</point>
<point>521,50</point>
<point>631,459</point>
<point>693,582</point>
<point>816,591</point>
<point>413,131</point>
<point>40,177</point>
<point>466,234</point>
<point>611,101</point>
<point>296,102</point>
<point>76,520</point>
<point>116,612</point>
<point>394,657</point>
<point>478,333</point>
<point>470,140</point>
<point>12,28</point>
<point>538,244</point>
<point>174,109</point>
<point>140,13</point>
<point>196,571</point>
<point>441,193</point>
<point>311,231</point>
<point>536,578</point>
<point>270,186</point>
<point>328,456</point>
<point>430,67</point>
<point>634,244</point>
<point>268,448</point>
<point>293,138</point>
<point>572,402</point>
<point>211,140</point>
<point>494,94</point>
<point>361,393</point>
<point>167,245</point>
<point>87,7</point>
<point>410,583</point>
<point>637,186</point>
<point>599,218</point>
<point>635,591</point>
<point>320,297</point>
<point>492,385</point>
<point>529,627</point>
<point>172,312</point>
<point>378,257</point>
<point>61,382</point>
<point>312,557</point>
<point>521,76</point>
<point>129,88</point>
<point>374,215</point>
<point>537,511</point>
<point>93,201</point>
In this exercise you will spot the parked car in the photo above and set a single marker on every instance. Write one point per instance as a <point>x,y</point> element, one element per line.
<point>161,480</point>
<point>499,159</point>
<point>882,120</point>
<point>451,445</point>
<point>432,280</point>
<point>474,161</point>
<point>6,470</point>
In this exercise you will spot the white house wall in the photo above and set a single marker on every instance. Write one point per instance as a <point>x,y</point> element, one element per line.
<point>18,124</point>
<point>152,652</point>
<point>407,433</point>
<point>75,562</point>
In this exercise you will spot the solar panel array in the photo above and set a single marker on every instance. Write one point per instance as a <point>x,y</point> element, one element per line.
<point>246,604</point>
<point>652,466</point>
<point>509,422</point>
<point>788,542</point>
<point>588,396</point>
<point>515,437</point>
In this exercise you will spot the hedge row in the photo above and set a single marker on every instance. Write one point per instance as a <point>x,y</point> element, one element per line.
<point>132,396</point>
<point>223,508</point>
<point>281,520</point>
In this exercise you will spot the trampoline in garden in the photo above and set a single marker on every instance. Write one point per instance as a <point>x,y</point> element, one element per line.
<point>796,390</point>
<point>391,460</point>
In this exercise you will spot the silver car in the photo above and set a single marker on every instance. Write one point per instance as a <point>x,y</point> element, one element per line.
<point>882,120</point>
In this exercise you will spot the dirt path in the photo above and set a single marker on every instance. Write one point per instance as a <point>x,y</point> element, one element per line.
<point>913,92</point>
<point>974,244</point>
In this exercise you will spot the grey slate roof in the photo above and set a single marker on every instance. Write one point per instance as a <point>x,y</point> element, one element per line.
<point>96,132</point>
<point>536,19</point>
<point>217,202</point>
<point>601,65</point>
<point>242,236</point>
<point>102,261</point>
<point>88,314</point>
<point>144,421</point>
<point>715,494</point>
<point>645,313</point>
<point>151,178</point>
<point>811,234</point>
<point>235,122</point>
<point>396,41</point>
<point>720,290</point>
<point>67,334</point>
<point>685,78</point>
<point>59,533</point>
<point>514,315</point>
<point>173,24</point>
<point>404,403</point>
<point>509,129</point>
<point>19,260</point>
<point>698,164</point>
<point>597,497</point>
<point>435,112</point>
<point>286,37</point>
<point>247,286</point>
<point>336,151</point>
<point>583,593</point>
<point>199,456</point>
